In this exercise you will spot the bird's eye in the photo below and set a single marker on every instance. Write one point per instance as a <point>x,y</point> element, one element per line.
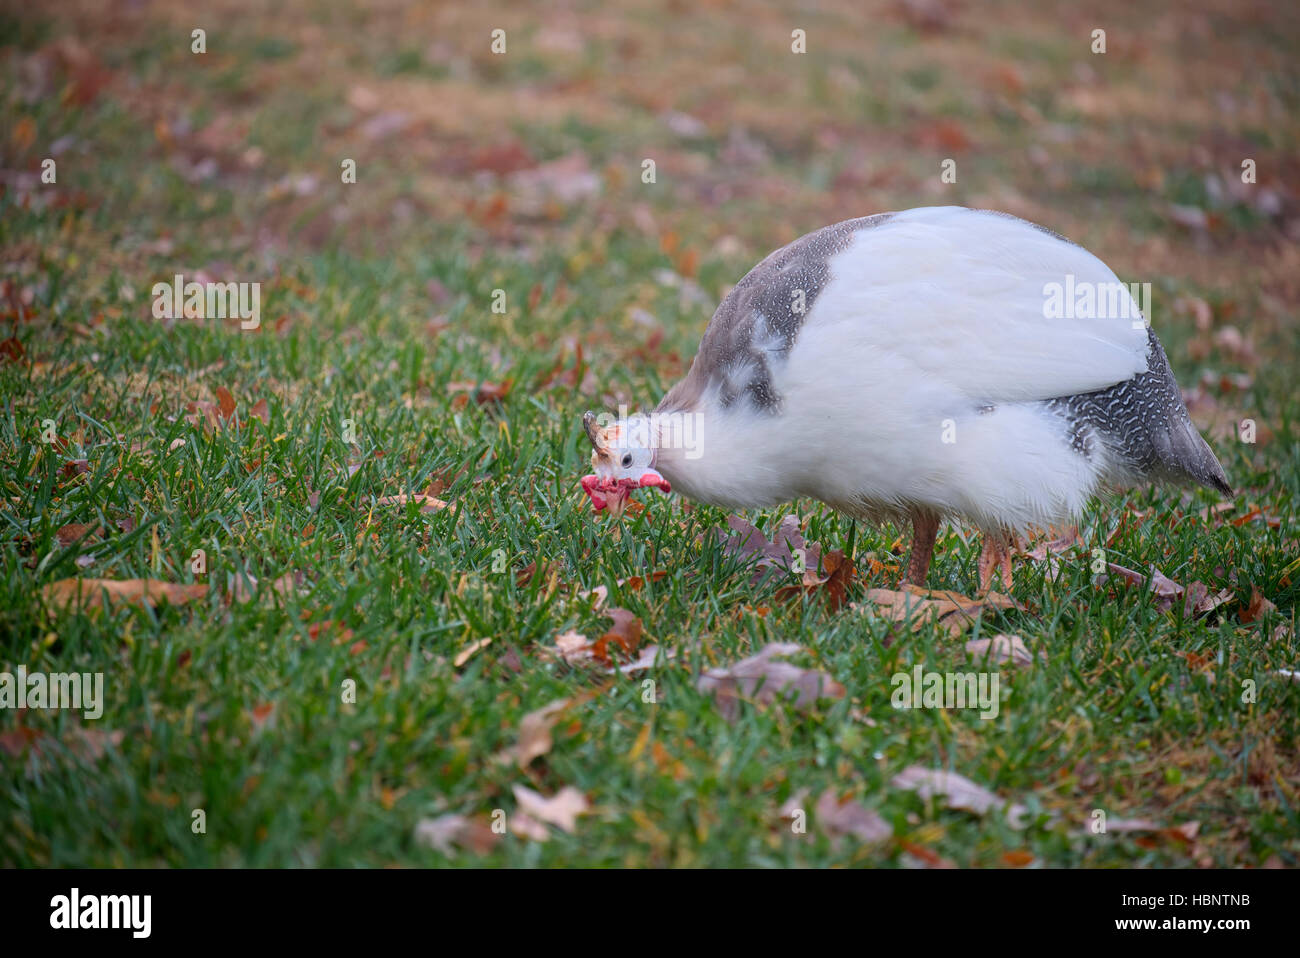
<point>627,460</point>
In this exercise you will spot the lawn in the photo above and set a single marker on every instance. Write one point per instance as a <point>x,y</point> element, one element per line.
<point>378,629</point>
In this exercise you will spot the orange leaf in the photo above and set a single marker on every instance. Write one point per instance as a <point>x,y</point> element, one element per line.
<point>89,593</point>
<point>226,402</point>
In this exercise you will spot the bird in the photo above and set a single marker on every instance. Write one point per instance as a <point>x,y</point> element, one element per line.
<point>928,365</point>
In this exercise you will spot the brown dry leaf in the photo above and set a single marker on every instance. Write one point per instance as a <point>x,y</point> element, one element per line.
<point>89,593</point>
<point>534,734</point>
<point>645,661</point>
<point>1165,590</point>
<point>89,743</point>
<point>85,742</point>
<point>1184,833</point>
<point>782,554</point>
<point>762,679</point>
<point>11,350</point>
<point>1210,601</point>
<point>467,653</point>
<point>957,791</point>
<point>225,402</point>
<point>625,635</point>
<point>1002,648</point>
<point>1018,858</point>
<point>525,575</point>
<point>918,606</point>
<point>1257,609</point>
<point>599,595</point>
<point>201,411</point>
<point>840,574</point>
<point>261,411</point>
<point>16,741</point>
<point>427,503</point>
<point>482,393</point>
<point>636,583</point>
<point>919,856</point>
<point>566,180</point>
<point>843,816</point>
<point>449,832</point>
<point>260,715</point>
<point>929,16</point>
<point>561,809</point>
<point>578,376</point>
<point>75,531</point>
<point>525,826</point>
<point>1068,540</point>
<point>573,647</point>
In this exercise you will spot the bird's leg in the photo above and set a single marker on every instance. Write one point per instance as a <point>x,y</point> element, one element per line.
<point>995,554</point>
<point>925,526</point>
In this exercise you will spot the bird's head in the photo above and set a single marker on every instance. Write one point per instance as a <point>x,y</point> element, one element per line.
<point>623,458</point>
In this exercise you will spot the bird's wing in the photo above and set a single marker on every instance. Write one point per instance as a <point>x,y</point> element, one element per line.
<point>968,296</point>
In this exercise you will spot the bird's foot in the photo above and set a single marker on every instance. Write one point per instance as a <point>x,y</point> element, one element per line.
<point>995,556</point>
<point>925,528</point>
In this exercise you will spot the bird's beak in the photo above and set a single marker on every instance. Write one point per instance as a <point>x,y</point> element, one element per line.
<point>593,431</point>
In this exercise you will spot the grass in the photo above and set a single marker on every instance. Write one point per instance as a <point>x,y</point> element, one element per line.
<point>236,707</point>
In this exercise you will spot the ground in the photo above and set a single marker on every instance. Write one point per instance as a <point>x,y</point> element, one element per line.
<point>339,678</point>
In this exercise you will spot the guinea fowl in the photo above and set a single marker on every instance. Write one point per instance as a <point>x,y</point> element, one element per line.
<point>936,363</point>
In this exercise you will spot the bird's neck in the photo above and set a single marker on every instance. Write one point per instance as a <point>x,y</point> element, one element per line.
<point>703,453</point>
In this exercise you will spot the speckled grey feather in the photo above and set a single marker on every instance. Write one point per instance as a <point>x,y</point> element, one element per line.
<point>762,306</point>
<point>1143,424</point>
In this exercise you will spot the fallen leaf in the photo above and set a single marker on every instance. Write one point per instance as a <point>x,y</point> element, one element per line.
<point>225,402</point>
<point>1002,648</point>
<point>261,714</point>
<point>534,734</point>
<point>448,832</point>
<point>562,809</point>
<point>957,791</point>
<point>427,503</point>
<point>840,574</point>
<point>89,593</point>
<point>467,653</point>
<point>1185,833</point>
<point>1257,609</point>
<point>837,816</point>
<point>599,595</point>
<point>1044,549</point>
<point>483,393</point>
<point>922,857</point>
<point>626,635</point>
<point>918,606</point>
<point>11,350</point>
<point>526,826</point>
<point>787,552</point>
<point>573,647</point>
<point>646,660</point>
<point>762,679</point>
<point>74,532</point>
<point>1165,591</point>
